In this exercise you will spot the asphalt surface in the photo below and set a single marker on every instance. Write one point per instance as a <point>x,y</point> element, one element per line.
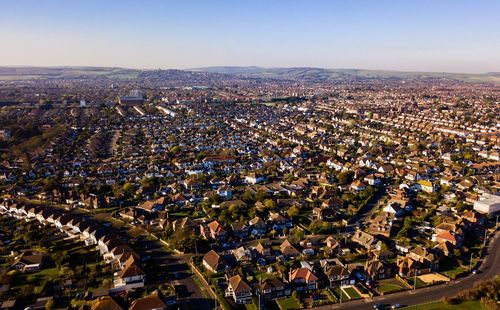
<point>489,268</point>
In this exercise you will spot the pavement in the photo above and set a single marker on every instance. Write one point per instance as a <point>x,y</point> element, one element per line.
<point>490,267</point>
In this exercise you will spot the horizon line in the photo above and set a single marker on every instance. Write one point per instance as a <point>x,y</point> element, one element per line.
<point>240,66</point>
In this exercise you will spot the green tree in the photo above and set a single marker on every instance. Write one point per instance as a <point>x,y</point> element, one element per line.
<point>345,177</point>
<point>293,212</point>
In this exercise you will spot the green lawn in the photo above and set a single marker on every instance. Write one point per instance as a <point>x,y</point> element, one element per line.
<point>453,273</point>
<point>469,305</point>
<point>288,304</point>
<point>338,292</point>
<point>389,288</point>
<point>352,292</point>
<point>420,283</point>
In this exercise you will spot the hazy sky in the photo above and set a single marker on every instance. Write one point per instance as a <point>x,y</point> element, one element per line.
<point>417,35</point>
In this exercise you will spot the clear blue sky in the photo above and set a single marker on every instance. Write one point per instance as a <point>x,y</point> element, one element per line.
<point>416,35</point>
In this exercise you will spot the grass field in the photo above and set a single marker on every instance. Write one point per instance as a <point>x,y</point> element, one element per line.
<point>469,305</point>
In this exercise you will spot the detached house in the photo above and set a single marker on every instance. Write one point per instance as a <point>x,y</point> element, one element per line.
<point>303,279</point>
<point>427,186</point>
<point>213,262</point>
<point>239,290</point>
<point>377,270</point>
<point>214,230</point>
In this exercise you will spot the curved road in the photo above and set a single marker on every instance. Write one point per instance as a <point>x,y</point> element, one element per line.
<point>488,270</point>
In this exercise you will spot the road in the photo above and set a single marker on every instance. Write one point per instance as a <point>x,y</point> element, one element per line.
<point>488,270</point>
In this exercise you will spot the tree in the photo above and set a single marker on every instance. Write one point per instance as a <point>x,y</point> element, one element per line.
<point>128,189</point>
<point>248,196</point>
<point>50,304</point>
<point>345,177</point>
<point>270,204</point>
<point>293,212</point>
<point>261,195</point>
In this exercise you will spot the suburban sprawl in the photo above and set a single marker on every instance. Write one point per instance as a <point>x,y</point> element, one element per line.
<point>252,188</point>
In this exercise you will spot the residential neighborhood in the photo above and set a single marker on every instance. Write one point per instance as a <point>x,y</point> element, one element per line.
<point>244,192</point>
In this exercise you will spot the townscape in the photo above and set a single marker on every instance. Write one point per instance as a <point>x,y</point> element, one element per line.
<point>201,189</point>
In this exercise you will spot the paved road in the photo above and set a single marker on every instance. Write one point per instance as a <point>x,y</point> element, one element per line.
<point>488,270</point>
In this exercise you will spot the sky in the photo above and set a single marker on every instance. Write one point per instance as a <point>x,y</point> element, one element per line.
<point>405,35</point>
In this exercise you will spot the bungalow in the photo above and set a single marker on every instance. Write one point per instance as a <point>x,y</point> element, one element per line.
<point>29,261</point>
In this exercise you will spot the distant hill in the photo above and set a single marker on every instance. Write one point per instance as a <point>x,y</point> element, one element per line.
<point>305,74</point>
<point>320,74</point>
<point>7,73</point>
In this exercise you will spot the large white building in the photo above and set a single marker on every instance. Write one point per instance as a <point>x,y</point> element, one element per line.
<point>487,204</point>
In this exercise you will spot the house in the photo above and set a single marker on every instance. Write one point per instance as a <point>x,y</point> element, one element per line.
<point>239,290</point>
<point>151,302</point>
<point>372,180</point>
<point>258,226</point>
<point>447,236</point>
<point>240,230</point>
<point>29,261</point>
<point>427,186</point>
<point>487,204</point>
<point>214,230</point>
<point>254,178</point>
<point>395,206</point>
<point>366,240</point>
<point>131,274</point>
<point>288,250</point>
<point>407,267</point>
<point>213,262</point>
<point>272,289</point>
<point>303,279</point>
<point>262,250</point>
<point>243,254</point>
<point>358,186</point>
<point>376,270</point>
<point>337,275</point>
<point>150,207</point>
<point>424,256</point>
<point>104,303</point>
<point>184,224</point>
